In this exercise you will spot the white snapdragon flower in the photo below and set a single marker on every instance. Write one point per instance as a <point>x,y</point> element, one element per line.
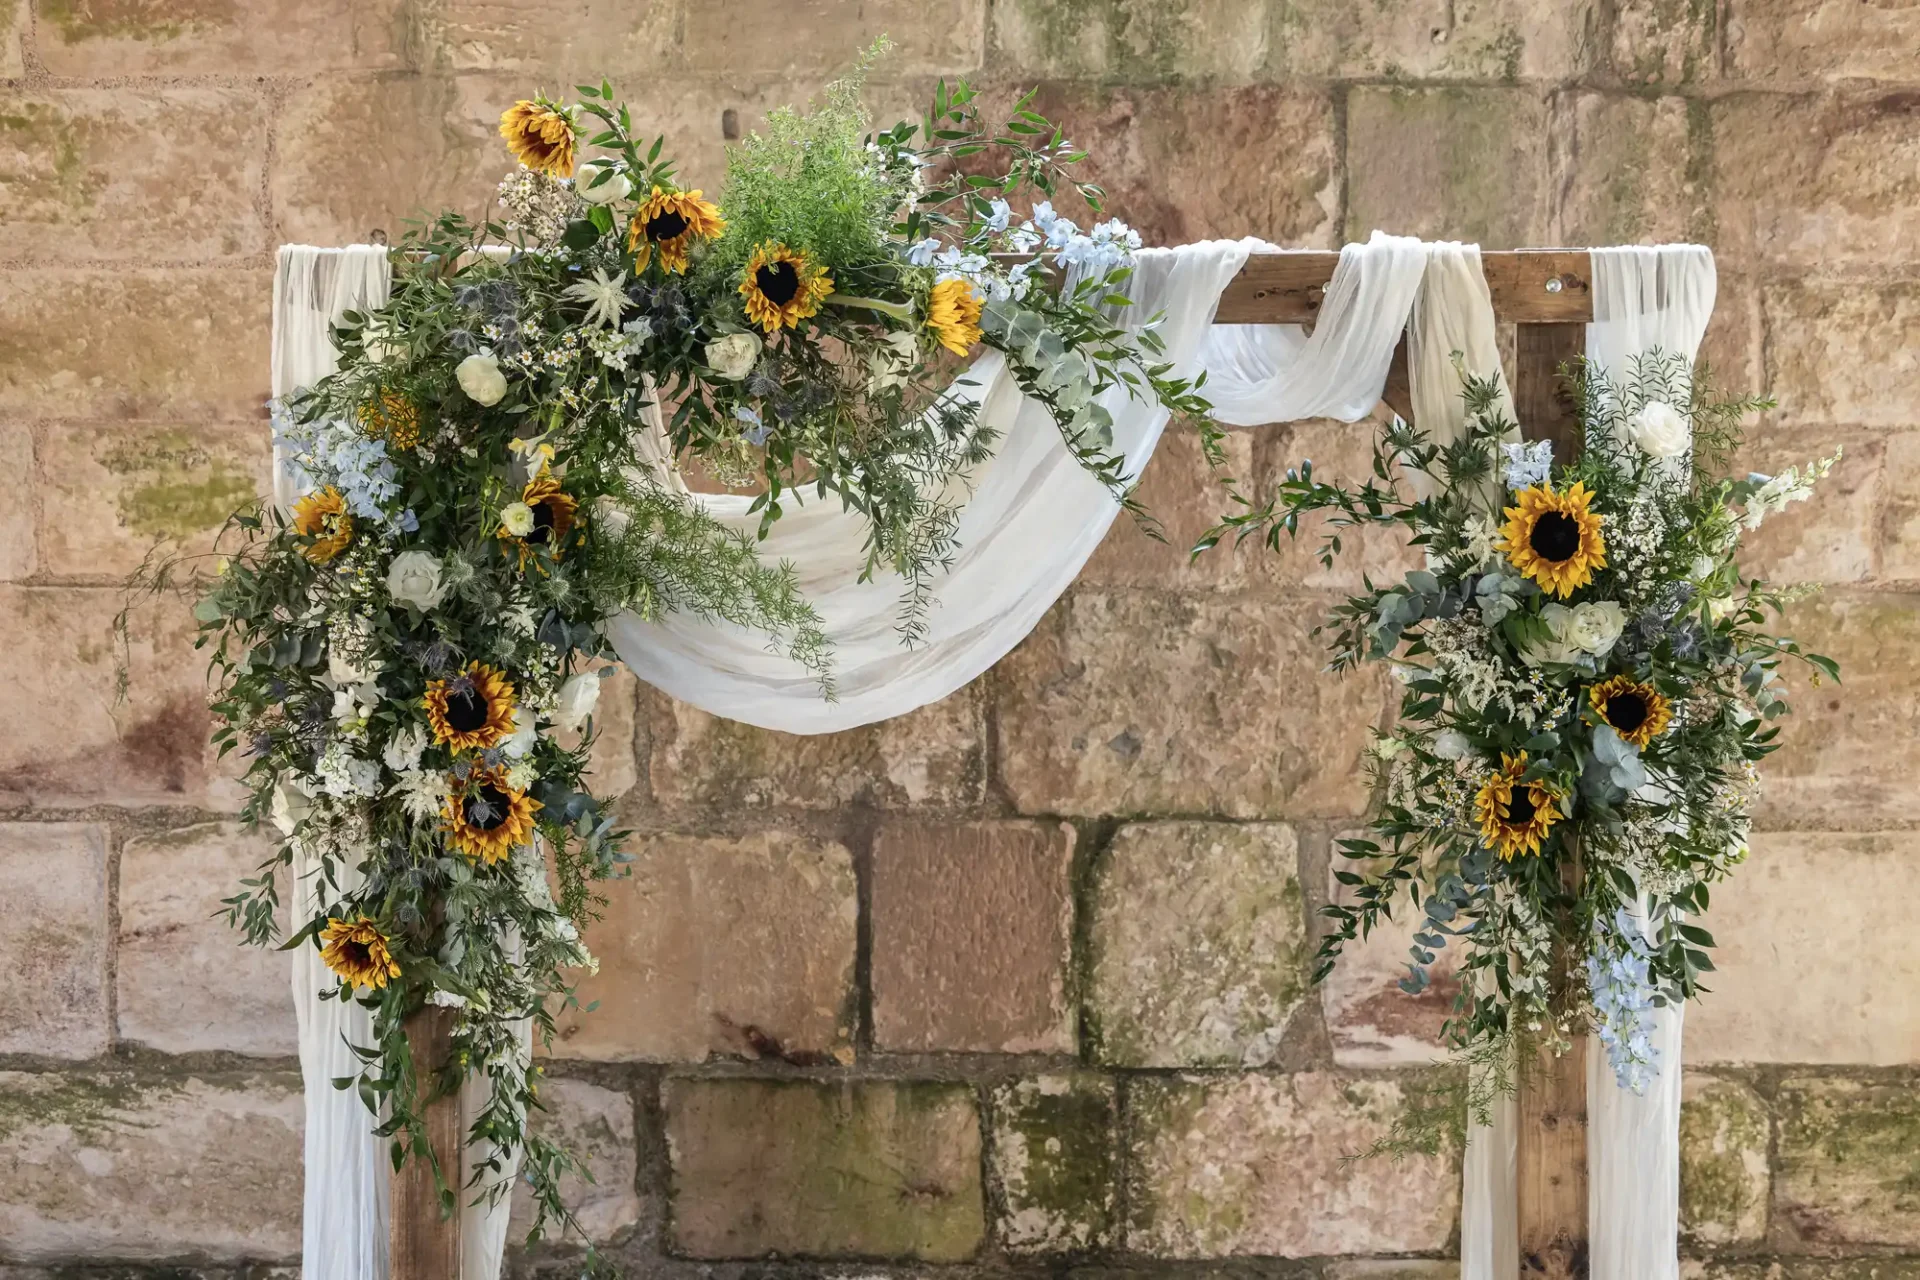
<point>414,578</point>
<point>480,377</point>
<point>1659,430</point>
<point>734,355</point>
<point>404,749</point>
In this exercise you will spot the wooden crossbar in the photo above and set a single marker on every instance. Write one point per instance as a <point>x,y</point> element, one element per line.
<point>1529,286</point>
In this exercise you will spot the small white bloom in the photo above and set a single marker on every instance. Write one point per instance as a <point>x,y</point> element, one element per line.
<point>1702,568</point>
<point>480,377</point>
<point>404,748</point>
<point>414,578</point>
<point>733,356</point>
<point>1451,744</point>
<point>446,999</point>
<point>605,298</point>
<point>521,775</point>
<point>421,793</point>
<point>920,253</point>
<point>594,191</point>
<point>343,671</point>
<point>1659,430</point>
<point>517,519</point>
<point>291,805</point>
<point>1596,625</point>
<point>576,700</point>
<point>525,734</point>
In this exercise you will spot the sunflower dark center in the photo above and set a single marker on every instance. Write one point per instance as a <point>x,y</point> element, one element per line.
<point>665,226</point>
<point>1555,537</point>
<point>1520,807</point>
<point>1626,711</point>
<point>466,710</point>
<point>542,523</point>
<point>777,282</point>
<point>490,808</point>
<point>357,954</point>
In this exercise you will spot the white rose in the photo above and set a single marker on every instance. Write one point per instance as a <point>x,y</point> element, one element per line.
<point>291,805</point>
<point>1596,625</point>
<point>576,700</point>
<point>525,734</point>
<point>517,519</point>
<point>734,356</point>
<point>403,749</point>
<point>618,187</point>
<point>1659,430</point>
<point>1451,744</point>
<point>414,578</point>
<point>1558,647</point>
<point>480,377</point>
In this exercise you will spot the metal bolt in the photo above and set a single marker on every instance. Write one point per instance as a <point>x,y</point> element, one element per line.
<point>1555,285</point>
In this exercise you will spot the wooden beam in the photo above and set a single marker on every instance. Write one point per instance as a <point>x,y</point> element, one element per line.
<point>422,1243</point>
<point>1539,396</point>
<point>1536,285</point>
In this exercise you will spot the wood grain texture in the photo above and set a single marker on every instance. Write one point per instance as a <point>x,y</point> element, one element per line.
<point>424,1244</point>
<point>1287,288</point>
<point>1550,1165</point>
<point>1539,396</point>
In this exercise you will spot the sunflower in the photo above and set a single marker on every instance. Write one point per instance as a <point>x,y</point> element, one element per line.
<point>555,512</point>
<point>671,221</point>
<point>473,711</point>
<point>782,287</point>
<point>1637,712</point>
<point>357,951</point>
<point>487,819</point>
<point>390,416</point>
<point>540,135</point>
<point>1554,538</point>
<point>322,516</point>
<point>953,313</point>
<point>1515,815</point>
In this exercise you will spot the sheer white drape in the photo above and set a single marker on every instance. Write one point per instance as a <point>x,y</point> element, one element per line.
<point>1033,518</point>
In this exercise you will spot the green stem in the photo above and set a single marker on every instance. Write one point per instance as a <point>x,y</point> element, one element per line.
<point>898,310</point>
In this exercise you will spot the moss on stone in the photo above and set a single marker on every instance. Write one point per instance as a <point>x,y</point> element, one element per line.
<point>1723,1163</point>
<point>134,19</point>
<point>92,1105</point>
<point>1056,1161</point>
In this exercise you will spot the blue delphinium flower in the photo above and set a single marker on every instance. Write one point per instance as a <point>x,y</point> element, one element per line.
<point>1617,974</point>
<point>1528,464</point>
<point>339,454</point>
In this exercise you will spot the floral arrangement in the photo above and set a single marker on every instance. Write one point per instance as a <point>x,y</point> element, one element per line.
<point>409,660</point>
<point>1589,686</point>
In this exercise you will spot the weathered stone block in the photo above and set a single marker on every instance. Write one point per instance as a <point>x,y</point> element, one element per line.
<point>721,945</point>
<point>1898,509</point>
<point>1622,171</point>
<point>1461,164</point>
<point>110,494</point>
<point>1255,1164</point>
<point>96,38</point>
<point>1200,947</point>
<point>934,758</point>
<point>972,934</point>
<point>1831,537</point>
<point>1819,907</point>
<point>1815,334</point>
<point>1086,725</point>
<point>1371,1022</point>
<point>53,878</point>
<point>613,766</point>
<point>1664,42</point>
<point>869,1169</point>
<point>1827,179</point>
<point>1835,39</point>
<point>1846,1169</point>
<point>1056,1162</point>
<point>1868,1268</point>
<point>137,343</point>
<point>1160,154</point>
<point>75,742</point>
<point>1219,41</point>
<point>118,1167</point>
<point>184,982</point>
<point>617,41</point>
<point>822,37</point>
<point>19,557</point>
<point>143,173</point>
<point>1724,1179</point>
<point>1393,1269</point>
<point>596,1124</point>
<point>14,17</point>
<point>1847,762</point>
<point>1480,40</point>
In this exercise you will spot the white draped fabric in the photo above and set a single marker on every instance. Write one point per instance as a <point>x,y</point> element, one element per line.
<point>1032,519</point>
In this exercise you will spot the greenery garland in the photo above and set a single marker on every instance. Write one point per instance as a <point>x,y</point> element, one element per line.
<point>409,660</point>
<point>1589,686</point>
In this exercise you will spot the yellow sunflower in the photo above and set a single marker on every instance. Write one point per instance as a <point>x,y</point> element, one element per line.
<point>671,221</point>
<point>1514,815</point>
<point>473,711</point>
<point>782,287</point>
<point>540,135</point>
<point>1554,538</point>
<point>391,417</point>
<point>953,313</point>
<point>486,818</point>
<point>1638,712</point>
<point>357,951</point>
<point>323,516</point>
<point>555,512</point>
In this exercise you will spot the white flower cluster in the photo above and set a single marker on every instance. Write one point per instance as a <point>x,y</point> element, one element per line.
<point>539,207</point>
<point>1777,493</point>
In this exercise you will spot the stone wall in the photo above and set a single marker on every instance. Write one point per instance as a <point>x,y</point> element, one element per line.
<point>1017,983</point>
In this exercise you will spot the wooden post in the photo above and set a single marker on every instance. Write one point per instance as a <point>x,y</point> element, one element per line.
<point>1551,1163</point>
<point>422,1243</point>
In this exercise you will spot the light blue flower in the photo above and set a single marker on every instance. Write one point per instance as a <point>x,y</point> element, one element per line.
<point>338,454</point>
<point>1623,994</point>
<point>920,252</point>
<point>756,431</point>
<point>1528,464</point>
<point>1002,213</point>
